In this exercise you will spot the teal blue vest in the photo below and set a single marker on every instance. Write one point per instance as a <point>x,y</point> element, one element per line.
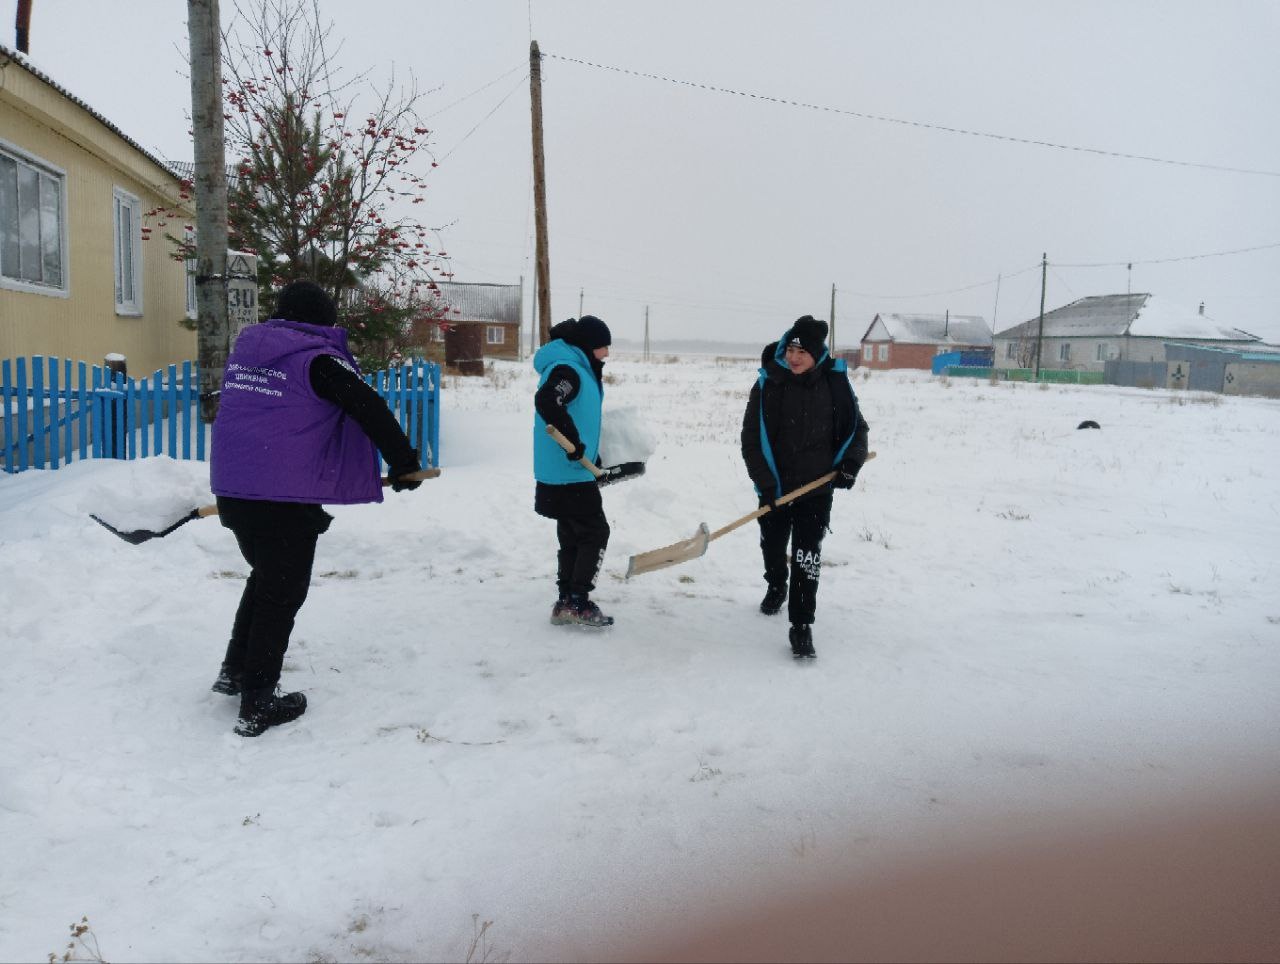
<point>549,462</point>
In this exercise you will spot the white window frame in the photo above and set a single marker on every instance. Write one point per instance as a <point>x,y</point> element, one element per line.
<point>495,335</point>
<point>53,179</point>
<point>1064,351</point>
<point>883,354</point>
<point>128,251</point>
<point>1010,350</point>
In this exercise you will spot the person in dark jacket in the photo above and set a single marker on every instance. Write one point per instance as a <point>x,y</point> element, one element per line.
<point>570,396</point>
<point>802,421</point>
<point>296,428</point>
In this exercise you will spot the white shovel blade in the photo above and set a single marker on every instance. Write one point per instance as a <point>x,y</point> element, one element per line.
<point>671,555</point>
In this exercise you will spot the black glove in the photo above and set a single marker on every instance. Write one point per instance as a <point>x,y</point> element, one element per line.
<point>846,474</point>
<point>407,467</point>
<point>579,451</point>
<point>768,502</point>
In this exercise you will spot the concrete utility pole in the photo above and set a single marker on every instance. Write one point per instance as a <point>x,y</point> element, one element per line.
<point>204,29</point>
<point>1044,270</point>
<point>542,267</point>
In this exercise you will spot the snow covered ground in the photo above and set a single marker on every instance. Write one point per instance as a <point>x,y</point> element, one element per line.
<point>1017,619</point>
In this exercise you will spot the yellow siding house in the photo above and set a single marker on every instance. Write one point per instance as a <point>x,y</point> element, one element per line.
<point>77,279</point>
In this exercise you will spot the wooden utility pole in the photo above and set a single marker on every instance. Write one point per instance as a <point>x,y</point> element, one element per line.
<point>1044,270</point>
<point>832,332</point>
<point>995,309</point>
<point>646,332</point>
<point>204,30</point>
<point>542,268</point>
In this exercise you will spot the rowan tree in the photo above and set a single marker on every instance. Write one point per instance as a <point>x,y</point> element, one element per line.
<point>329,171</point>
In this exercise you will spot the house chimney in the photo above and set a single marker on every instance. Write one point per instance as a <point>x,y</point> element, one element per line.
<point>1202,307</point>
<point>22,25</point>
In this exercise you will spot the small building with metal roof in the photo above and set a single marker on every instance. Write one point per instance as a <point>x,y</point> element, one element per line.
<point>912,341</point>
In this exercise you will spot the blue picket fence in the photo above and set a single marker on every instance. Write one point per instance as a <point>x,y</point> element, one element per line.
<point>56,411</point>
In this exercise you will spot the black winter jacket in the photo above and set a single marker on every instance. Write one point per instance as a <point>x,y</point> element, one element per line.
<point>808,420</point>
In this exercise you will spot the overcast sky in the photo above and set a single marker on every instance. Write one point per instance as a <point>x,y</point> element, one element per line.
<point>730,215</point>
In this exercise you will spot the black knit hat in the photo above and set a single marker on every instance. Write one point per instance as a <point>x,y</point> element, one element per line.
<point>306,301</point>
<point>810,334</point>
<point>589,332</point>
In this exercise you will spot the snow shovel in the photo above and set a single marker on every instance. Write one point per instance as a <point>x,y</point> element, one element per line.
<point>137,536</point>
<point>610,473</point>
<point>696,545</point>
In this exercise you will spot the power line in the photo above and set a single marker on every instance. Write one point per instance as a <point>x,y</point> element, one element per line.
<point>486,117</point>
<point>910,123</point>
<point>1189,257</point>
<point>478,90</point>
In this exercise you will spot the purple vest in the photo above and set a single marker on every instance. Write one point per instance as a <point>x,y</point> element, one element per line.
<point>274,438</point>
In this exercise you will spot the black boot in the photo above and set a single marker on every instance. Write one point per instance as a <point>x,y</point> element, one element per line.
<point>772,602</point>
<point>228,681</point>
<point>802,642</point>
<point>267,707</point>
<point>578,610</point>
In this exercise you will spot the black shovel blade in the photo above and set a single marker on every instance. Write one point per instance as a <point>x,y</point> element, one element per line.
<point>137,536</point>
<point>620,473</point>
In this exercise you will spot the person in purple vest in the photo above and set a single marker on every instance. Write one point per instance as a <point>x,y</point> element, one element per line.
<point>297,427</point>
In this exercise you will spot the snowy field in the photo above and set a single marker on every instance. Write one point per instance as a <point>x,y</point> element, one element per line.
<point>1017,620</point>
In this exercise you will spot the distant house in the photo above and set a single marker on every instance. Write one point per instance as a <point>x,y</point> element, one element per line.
<point>487,316</point>
<point>79,276</point>
<point>1087,333</point>
<point>912,341</point>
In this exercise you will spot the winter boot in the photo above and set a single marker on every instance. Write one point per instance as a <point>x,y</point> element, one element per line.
<point>560,611</point>
<point>772,602</point>
<point>578,610</point>
<point>264,708</point>
<point>802,642</point>
<point>227,683</point>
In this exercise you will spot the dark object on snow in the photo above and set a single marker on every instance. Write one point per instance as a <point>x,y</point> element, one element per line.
<point>1088,423</point>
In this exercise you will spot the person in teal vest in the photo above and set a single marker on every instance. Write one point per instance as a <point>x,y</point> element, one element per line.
<point>570,397</point>
<point>802,421</point>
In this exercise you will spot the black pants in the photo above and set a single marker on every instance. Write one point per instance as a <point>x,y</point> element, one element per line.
<point>278,541</point>
<point>583,540</point>
<point>803,524</point>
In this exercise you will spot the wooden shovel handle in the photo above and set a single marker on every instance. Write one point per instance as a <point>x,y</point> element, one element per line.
<point>568,446</point>
<point>781,500</point>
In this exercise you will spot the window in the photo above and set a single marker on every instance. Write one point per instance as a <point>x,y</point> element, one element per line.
<point>1064,351</point>
<point>128,245</point>
<point>1011,349</point>
<point>884,353</point>
<point>495,334</point>
<point>32,225</point>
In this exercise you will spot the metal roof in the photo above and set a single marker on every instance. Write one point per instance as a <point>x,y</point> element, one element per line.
<point>8,56</point>
<point>937,329</point>
<point>481,302</point>
<point>1138,315</point>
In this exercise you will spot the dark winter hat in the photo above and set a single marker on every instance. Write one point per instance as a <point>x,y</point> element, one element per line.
<point>590,332</point>
<point>306,301</point>
<point>810,334</point>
